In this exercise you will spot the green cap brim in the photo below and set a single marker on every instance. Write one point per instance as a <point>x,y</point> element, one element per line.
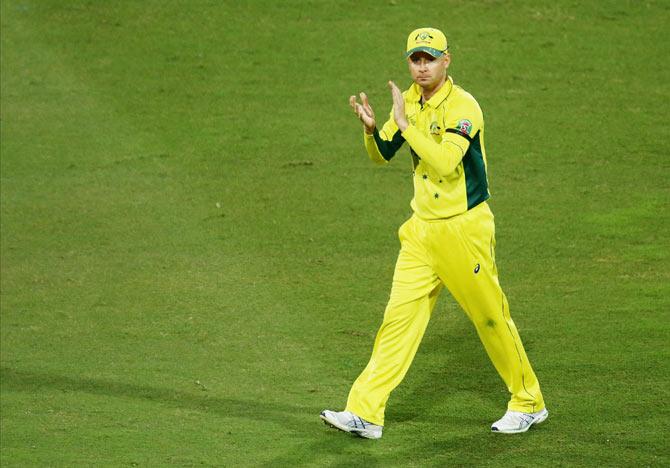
<point>429,50</point>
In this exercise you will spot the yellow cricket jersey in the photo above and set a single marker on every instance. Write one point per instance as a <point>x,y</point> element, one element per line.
<point>446,140</point>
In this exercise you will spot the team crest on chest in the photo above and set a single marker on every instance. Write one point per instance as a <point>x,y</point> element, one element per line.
<point>464,126</point>
<point>435,128</point>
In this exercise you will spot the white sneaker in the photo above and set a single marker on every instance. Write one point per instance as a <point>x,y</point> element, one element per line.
<point>348,422</point>
<point>514,421</point>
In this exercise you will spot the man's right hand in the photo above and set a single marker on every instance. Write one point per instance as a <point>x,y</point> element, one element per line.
<point>364,112</point>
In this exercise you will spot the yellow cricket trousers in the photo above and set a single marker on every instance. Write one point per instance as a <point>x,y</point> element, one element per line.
<point>459,253</point>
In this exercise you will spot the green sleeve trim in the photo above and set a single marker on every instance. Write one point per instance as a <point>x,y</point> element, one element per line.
<point>476,183</point>
<point>458,132</point>
<point>388,148</point>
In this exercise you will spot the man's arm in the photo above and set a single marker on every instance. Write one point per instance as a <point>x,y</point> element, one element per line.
<point>444,156</point>
<point>381,146</point>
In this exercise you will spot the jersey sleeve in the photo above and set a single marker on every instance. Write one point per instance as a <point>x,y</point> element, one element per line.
<point>383,145</point>
<point>461,124</point>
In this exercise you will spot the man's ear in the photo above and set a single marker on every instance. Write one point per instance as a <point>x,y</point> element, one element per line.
<point>447,60</point>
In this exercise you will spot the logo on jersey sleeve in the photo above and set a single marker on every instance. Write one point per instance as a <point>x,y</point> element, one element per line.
<point>464,127</point>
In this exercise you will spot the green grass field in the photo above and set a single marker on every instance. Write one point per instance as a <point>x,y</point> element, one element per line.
<point>196,252</point>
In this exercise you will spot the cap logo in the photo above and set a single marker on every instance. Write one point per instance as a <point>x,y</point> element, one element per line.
<point>423,37</point>
<point>464,126</point>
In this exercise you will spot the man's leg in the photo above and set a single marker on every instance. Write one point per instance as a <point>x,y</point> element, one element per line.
<point>413,295</point>
<point>467,267</point>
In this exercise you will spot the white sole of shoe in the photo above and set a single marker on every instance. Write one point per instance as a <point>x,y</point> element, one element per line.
<point>365,434</point>
<point>334,424</point>
<point>536,420</point>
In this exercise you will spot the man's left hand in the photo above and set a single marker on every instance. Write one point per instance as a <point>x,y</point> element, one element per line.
<point>398,107</point>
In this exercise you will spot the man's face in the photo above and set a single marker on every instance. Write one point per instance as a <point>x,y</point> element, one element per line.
<point>426,70</point>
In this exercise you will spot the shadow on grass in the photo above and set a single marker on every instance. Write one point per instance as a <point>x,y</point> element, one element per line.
<point>308,441</point>
<point>28,381</point>
<point>428,426</point>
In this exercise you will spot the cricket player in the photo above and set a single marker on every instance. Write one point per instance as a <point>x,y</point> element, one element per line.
<point>448,241</point>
